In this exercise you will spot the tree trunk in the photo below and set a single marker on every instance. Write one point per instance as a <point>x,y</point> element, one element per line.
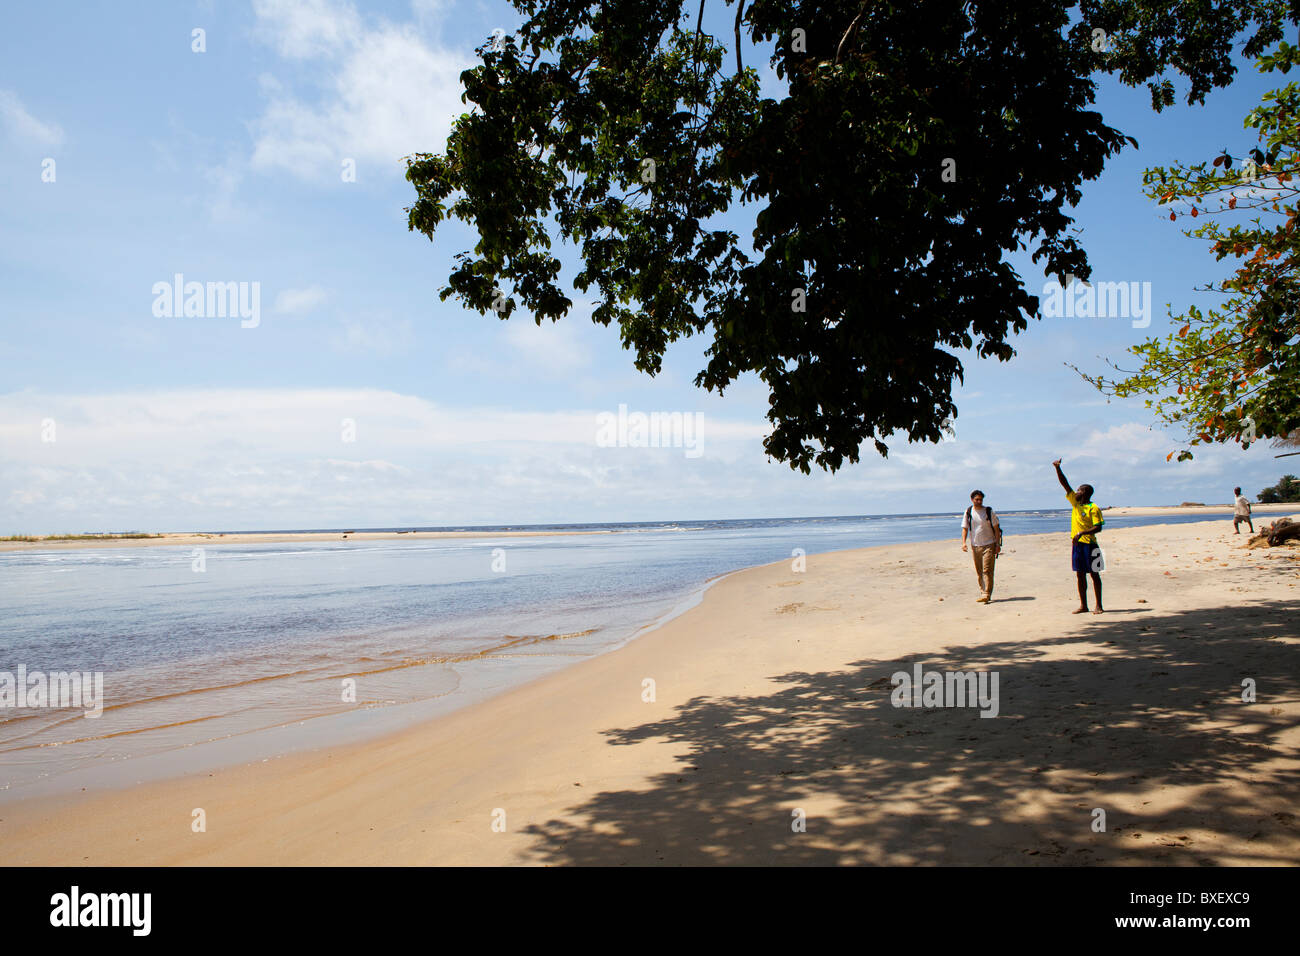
<point>1283,531</point>
<point>1280,531</point>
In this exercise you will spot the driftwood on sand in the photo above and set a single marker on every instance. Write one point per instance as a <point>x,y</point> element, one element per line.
<point>1279,532</point>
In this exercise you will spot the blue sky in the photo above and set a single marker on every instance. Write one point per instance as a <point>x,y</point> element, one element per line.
<point>225,165</point>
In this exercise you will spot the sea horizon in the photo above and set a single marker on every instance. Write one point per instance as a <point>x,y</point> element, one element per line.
<point>557,526</point>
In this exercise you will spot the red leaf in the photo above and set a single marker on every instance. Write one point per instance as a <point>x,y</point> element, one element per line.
<point>1173,216</point>
<point>1194,213</point>
<point>1232,203</point>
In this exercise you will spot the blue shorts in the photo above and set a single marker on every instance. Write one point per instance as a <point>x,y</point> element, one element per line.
<point>1083,557</point>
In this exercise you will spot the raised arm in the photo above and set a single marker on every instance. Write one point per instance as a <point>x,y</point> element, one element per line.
<point>1060,475</point>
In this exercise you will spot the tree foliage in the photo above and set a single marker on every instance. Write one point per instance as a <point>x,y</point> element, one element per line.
<point>918,145</point>
<point>1286,490</point>
<point>1232,373</point>
<point>1151,38</point>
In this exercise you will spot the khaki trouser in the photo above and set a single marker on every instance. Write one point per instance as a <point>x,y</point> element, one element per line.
<point>985,555</point>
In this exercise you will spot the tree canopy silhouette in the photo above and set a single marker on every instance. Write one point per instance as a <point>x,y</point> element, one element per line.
<point>918,145</point>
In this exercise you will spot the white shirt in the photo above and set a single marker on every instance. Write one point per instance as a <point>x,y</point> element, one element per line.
<point>984,532</point>
<point>1243,506</point>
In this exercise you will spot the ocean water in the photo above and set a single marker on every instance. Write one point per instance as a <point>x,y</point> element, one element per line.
<point>249,658</point>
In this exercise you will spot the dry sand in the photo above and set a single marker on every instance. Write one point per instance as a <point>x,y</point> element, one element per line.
<point>1265,512</point>
<point>773,696</point>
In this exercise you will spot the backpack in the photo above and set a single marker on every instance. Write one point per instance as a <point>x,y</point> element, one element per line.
<point>988,514</point>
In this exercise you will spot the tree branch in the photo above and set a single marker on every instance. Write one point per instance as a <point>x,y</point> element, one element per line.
<point>699,29</point>
<point>839,49</point>
<point>740,12</point>
<point>695,66</point>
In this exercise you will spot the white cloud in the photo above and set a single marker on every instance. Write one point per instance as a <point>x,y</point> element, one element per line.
<point>276,458</point>
<point>553,347</point>
<point>1131,442</point>
<point>299,301</point>
<point>301,29</point>
<point>252,458</point>
<point>372,334</point>
<point>25,127</point>
<point>381,92</point>
<point>379,465</point>
<point>226,178</point>
<point>431,13</point>
<point>129,426</point>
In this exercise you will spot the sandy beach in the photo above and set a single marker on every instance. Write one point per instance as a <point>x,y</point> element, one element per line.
<point>1263,511</point>
<point>772,699</point>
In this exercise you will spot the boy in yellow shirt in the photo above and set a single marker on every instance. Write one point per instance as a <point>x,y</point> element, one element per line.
<point>1085,557</point>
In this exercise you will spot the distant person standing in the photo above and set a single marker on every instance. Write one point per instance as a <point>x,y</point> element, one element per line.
<point>985,532</point>
<point>1241,512</point>
<point>1085,556</point>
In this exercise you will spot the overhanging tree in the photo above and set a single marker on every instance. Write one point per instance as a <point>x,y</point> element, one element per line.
<point>920,143</point>
<point>1231,373</point>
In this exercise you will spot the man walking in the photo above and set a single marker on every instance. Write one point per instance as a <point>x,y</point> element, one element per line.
<point>1241,512</point>
<point>985,532</point>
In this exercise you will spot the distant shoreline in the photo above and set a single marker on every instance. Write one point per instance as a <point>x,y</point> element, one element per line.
<point>1285,508</point>
<point>199,538</point>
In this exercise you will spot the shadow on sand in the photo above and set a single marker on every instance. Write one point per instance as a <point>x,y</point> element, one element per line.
<point>1158,705</point>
